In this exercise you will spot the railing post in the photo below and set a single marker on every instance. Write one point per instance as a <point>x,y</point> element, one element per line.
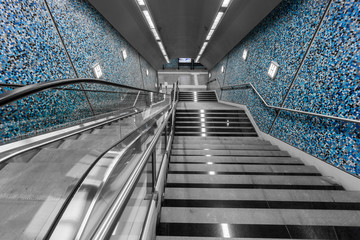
<point>153,156</point>
<point>166,128</point>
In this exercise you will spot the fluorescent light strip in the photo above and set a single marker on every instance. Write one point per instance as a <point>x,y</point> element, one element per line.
<point>203,47</point>
<point>142,3</point>
<point>209,35</point>
<point>153,29</point>
<point>225,3</point>
<point>148,19</point>
<point>156,35</point>
<point>217,20</point>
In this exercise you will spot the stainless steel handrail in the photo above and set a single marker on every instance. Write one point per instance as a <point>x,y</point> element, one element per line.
<point>18,93</point>
<point>233,87</point>
<point>83,178</point>
<point>104,229</point>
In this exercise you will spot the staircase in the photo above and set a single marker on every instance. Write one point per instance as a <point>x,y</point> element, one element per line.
<point>208,96</point>
<point>225,182</point>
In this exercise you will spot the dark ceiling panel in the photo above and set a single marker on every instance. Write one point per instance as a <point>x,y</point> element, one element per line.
<point>240,19</point>
<point>183,26</point>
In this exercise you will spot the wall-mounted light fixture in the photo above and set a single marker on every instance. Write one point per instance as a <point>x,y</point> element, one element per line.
<point>209,75</point>
<point>245,54</point>
<point>273,69</point>
<point>124,54</point>
<point>147,72</point>
<point>222,69</point>
<point>97,70</point>
<point>219,16</point>
<point>148,18</point>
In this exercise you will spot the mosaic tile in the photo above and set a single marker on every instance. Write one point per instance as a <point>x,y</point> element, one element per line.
<point>334,142</point>
<point>150,81</point>
<point>32,51</point>
<point>173,64</point>
<point>30,48</point>
<point>327,83</point>
<point>330,87</point>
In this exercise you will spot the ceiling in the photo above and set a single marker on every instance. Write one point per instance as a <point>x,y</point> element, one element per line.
<point>183,26</point>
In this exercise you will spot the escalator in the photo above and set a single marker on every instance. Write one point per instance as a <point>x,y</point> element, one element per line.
<point>40,174</point>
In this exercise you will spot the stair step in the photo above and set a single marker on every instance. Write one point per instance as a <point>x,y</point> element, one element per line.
<point>216,238</point>
<point>219,140</point>
<point>257,223</point>
<point>190,146</point>
<point>218,134</point>
<point>243,169</point>
<point>236,160</point>
<point>261,216</point>
<point>212,114</point>
<point>330,196</point>
<point>268,153</point>
<point>211,129</point>
<point>213,124</point>
<point>210,118</point>
<point>250,181</point>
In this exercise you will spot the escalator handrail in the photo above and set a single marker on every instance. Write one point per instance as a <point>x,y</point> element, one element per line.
<point>83,177</point>
<point>104,228</point>
<point>21,92</point>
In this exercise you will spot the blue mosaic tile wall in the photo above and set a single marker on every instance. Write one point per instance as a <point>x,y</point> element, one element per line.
<point>173,64</point>
<point>31,51</point>
<point>327,83</point>
<point>150,80</point>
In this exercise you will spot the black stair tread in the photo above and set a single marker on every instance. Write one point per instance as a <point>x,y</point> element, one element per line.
<point>218,134</point>
<point>209,111</point>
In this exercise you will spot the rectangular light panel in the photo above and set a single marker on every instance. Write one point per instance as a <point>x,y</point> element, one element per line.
<point>97,71</point>
<point>273,69</point>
